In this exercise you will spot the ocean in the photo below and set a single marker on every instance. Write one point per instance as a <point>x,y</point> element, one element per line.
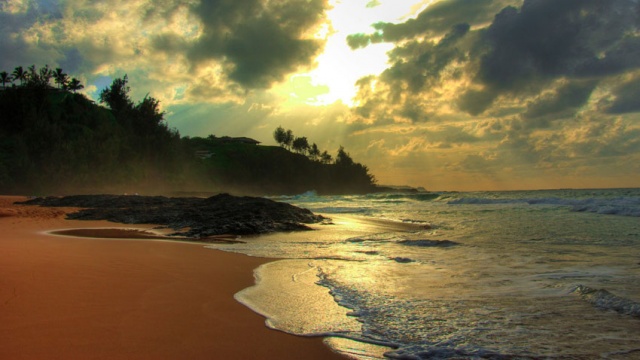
<point>549,274</point>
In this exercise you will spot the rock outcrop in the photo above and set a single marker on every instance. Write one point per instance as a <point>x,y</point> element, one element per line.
<point>189,216</point>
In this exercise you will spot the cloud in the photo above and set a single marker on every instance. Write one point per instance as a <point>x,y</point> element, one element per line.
<point>373,3</point>
<point>16,20</point>
<point>526,90</point>
<point>262,43</point>
<point>405,91</point>
<point>263,53</point>
<point>526,48</point>
<point>627,98</point>
<point>427,60</point>
<point>560,103</point>
<point>475,102</point>
<point>433,22</point>
<point>226,44</point>
<point>520,56</point>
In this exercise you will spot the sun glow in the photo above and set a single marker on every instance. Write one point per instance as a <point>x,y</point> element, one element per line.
<point>339,67</point>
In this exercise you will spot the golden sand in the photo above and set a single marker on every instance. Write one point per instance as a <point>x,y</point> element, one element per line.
<point>80,298</point>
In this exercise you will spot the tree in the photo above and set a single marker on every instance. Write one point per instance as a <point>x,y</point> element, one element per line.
<point>38,78</point>
<point>314,152</point>
<point>19,74</point>
<point>300,145</point>
<point>45,75</point>
<point>283,137</point>
<point>60,78</point>
<point>31,75</point>
<point>280,135</point>
<point>325,157</point>
<point>74,85</point>
<point>288,141</point>
<point>343,159</point>
<point>149,111</point>
<point>5,78</point>
<point>117,95</point>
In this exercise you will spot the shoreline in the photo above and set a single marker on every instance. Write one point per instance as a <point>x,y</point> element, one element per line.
<point>74,297</point>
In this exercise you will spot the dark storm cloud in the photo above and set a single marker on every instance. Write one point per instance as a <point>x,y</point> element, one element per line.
<point>72,60</point>
<point>623,56</point>
<point>435,20</point>
<point>562,103</point>
<point>427,60</point>
<point>549,39</point>
<point>263,52</point>
<point>627,98</point>
<point>476,102</point>
<point>263,42</point>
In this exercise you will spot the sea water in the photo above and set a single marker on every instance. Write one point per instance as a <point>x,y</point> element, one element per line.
<point>464,275</point>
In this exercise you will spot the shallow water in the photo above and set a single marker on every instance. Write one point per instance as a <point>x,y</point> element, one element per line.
<point>460,275</point>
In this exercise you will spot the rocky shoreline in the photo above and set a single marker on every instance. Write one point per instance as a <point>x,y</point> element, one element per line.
<point>195,218</point>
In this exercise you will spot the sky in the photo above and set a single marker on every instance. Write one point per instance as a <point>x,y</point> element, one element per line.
<point>441,94</point>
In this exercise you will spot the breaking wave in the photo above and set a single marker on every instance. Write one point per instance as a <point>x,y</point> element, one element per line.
<point>624,206</point>
<point>603,299</point>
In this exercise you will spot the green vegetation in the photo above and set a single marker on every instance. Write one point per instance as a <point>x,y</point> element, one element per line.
<point>53,140</point>
<point>249,168</point>
<point>56,141</point>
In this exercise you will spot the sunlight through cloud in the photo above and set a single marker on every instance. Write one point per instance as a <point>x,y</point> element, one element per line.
<point>339,66</point>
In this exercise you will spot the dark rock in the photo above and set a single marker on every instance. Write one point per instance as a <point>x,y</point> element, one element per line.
<point>428,243</point>
<point>216,215</point>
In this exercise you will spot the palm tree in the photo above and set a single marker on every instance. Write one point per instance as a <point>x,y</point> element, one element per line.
<point>32,74</point>
<point>5,78</point>
<point>19,74</point>
<point>45,75</point>
<point>60,78</point>
<point>74,85</point>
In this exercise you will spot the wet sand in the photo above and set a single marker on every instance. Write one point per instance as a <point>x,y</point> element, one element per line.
<point>70,298</point>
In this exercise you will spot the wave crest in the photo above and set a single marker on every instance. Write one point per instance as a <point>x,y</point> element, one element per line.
<point>605,300</point>
<point>625,206</point>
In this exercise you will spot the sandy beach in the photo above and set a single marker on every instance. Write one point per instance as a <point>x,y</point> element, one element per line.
<point>82,298</point>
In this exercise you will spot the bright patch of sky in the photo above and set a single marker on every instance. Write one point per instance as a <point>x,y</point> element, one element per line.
<point>339,67</point>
